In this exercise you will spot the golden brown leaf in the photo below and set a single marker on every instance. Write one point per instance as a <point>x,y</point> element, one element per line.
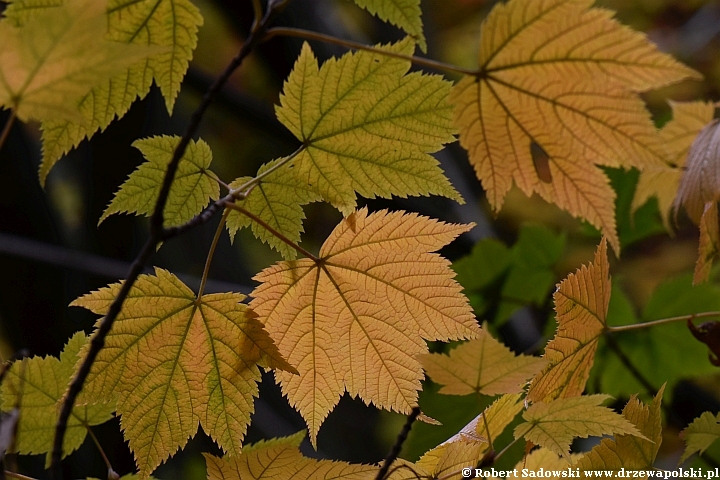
<point>483,365</point>
<point>560,76</point>
<point>581,303</point>
<point>356,318</point>
<point>709,243</point>
<point>677,136</point>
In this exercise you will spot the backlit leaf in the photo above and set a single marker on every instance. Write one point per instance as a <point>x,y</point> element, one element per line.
<point>560,76</point>
<point>190,192</point>
<point>498,416</point>
<point>56,57</point>
<point>700,434</point>
<point>281,458</point>
<point>36,385</point>
<point>554,425</point>
<point>367,126</point>
<point>171,26</point>
<point>173,361</point>
<point>277,199</point>
<point>542,458</point>
<point>630,451</point>
<point>403,13</point>
<point>483,365</point>
<point>677,136</point>
<point>709,243</point>
<point>356,319</point>
<point>581,303</point>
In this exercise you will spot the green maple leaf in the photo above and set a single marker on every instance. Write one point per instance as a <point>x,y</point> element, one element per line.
<point>700,434</point>
<point>554,425</point>
<point>277,199</point>
<point>367,127</point>
<point>173,361</point>
<point>190,192</point>
<point>56,57</point>
<point>36,385</point>
<point>171,26</point>
<point>402,13</point>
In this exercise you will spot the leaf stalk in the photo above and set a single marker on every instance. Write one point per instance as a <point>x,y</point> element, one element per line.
<point>662,321</point>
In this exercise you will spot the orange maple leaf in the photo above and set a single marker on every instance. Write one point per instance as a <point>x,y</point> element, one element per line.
<point>355,318</point>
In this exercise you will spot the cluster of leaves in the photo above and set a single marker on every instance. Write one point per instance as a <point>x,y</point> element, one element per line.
<point>554,97</point>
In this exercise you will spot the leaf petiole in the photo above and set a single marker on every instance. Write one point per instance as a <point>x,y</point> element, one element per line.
<point>211,253</point>
<point>309,35</point>
<point>241,192</point>
<point>6,129</point>
<point>662,321</point>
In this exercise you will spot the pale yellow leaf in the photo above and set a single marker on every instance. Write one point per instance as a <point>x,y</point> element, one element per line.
<point>677,136</point>
<point>173,361</point>
<point>581,303</point>
<point>57,57</point>
<point>355,319</point>
<point>281,458</point>
<point>629,451</point>
<point>403,13</point>
<point>554,425</point>
<point>544,459</point>
<point>700,434</point>
<point>368,126</point>
<point>483,365</point>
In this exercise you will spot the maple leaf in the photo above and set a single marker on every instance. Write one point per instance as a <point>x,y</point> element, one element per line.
<point>581,303</point>
<point>700,434</point>
<point>281,458</point>
<point>554,425</point>
<point>277,199</point>
<point>190,192</point>
<point>553,97</point>
<point>367,127</point>
<point>677,135</point>
<point>494,418</point>
<point>36,385</point>
<point>56,57</point>
<point>170,26</point>
<point>173,361</point>
<point>631,452</point>
<point>355,318</point>
<point>483,365</point>
<point>402,13</point>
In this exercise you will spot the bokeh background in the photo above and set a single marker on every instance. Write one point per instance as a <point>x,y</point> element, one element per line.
<point>52,251</point>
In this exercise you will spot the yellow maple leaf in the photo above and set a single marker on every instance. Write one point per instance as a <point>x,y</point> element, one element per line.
<point>554,425</point>
<point>171,27</point>
<point>173,361</point>
<point>367,126</point>
<point>277,199</point>
<point>677,136</point>
<point>482,365</point>
<point>191,190</point>
<point>356,317</point>
<point>709,246</point>
<point>581,303</point>
<point>553,97</point>
<point>36,385</point>
<point>631,452</point>
<point>700,434</point>
<point>403,13</point>
<point>281,458</point>
<point>56,57</point>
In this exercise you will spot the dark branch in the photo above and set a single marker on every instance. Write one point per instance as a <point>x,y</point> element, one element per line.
<point>157,234</point>
<point>395,451</point>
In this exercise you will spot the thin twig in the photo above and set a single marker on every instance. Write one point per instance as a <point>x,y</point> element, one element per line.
<point>6,129</point>
<point>395,451</point>
<point>309,35</point>
<point>662,321</point>
<point>211,253</point>
<point>157,234</point>
<point>270,229</point>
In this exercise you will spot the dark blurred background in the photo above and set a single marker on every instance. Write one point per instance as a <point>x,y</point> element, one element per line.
<point>52,251</point>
